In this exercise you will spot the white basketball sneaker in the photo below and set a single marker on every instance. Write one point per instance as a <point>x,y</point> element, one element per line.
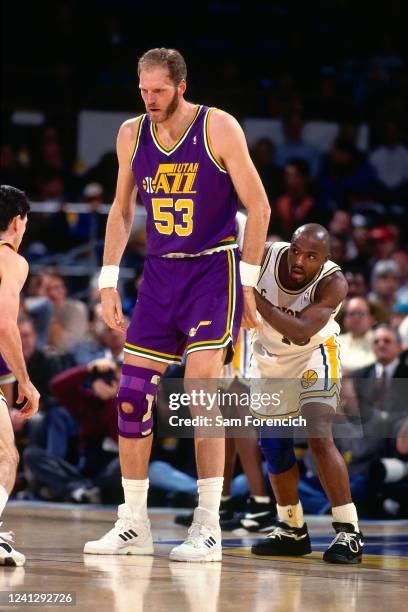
<point>203,542</point>
<point>8,555</point>
<point>129,536</point>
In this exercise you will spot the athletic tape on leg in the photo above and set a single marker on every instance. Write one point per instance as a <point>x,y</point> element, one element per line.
<point>136,400</point>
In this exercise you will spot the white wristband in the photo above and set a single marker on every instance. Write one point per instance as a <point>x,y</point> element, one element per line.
<point>249,274</point>
<point>108,277</point>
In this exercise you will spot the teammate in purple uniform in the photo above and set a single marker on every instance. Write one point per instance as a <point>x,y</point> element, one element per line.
<point>189,164</point>
<point>14,207</point>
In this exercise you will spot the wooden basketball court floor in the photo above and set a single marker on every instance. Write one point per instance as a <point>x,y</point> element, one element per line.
<point>52,537</point>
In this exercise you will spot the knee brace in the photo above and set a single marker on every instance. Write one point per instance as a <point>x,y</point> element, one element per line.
<point>135,401</point>
<point>279,454</point>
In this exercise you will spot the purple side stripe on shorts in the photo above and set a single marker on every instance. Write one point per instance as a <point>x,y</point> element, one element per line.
<point>138,384</point>
<point>133,427</point>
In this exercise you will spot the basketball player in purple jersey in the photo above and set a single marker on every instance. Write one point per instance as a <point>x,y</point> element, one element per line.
<point>14,207</point>
<point>189,164</point>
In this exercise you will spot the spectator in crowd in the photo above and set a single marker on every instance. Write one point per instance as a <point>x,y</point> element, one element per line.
<point>385,280</point>
<point>390,160</point>
<point>104,342</point>
<point>384,241</point>
<point>399,320</point>
<point>381,390</point>
<point>357,283</point>
<point>12,171</point>
<point>96,476</point>
<point>69,323</point>
<point>356,344</point>
<point>346,177</point>
<point>401,259</point>
<point>84,227</point>
<point>295,147</point>
<point>338,249</point>
<point>38,307</point>
<point>295,206</point>
<point>340,225</point>
<point>263,153</point>
<point>49,426</point>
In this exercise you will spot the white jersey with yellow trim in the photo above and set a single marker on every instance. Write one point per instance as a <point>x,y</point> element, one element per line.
<point>291,302</point>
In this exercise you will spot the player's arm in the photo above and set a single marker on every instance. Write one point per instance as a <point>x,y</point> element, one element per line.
<point>118,227</point>
<point>14,271</point>
<point>229,144</point>
<point>329,293</point>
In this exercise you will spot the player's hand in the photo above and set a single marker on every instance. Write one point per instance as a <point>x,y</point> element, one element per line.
<point>249,318</point>
<point>16,419</point>
<point>27,391</point>
<point>112,309</point>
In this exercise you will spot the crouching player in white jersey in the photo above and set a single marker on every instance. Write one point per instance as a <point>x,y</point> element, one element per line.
<point>299,293</point>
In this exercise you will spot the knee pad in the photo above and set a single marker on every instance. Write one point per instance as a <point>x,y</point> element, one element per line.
<point>279,454</point>
<point>136,400</point>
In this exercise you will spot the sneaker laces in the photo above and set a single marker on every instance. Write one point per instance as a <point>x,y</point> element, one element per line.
<point>6,535</point>
<point>346,538</point>
<point>278,532</point>
<point>196,534</point>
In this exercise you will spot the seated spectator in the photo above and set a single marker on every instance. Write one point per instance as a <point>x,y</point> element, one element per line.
<point>46,427</point>
<point>379,401</point>
<point>357,284</point>
<point>381,390</point>
<point>295,147</point>
<point>385,280</point>
<point>356,344</point>
<point>69,323</point>
<point>295,206</point>
<point>96,476</point>
<point>384,241</point>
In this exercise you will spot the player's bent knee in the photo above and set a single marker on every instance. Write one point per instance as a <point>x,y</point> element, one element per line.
<point>136,400</point>
<point>279,454</point>
<point>321,446</point>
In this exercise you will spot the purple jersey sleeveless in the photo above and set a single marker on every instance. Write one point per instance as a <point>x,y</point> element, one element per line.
<point>5,375</point>
<point>189,197</point>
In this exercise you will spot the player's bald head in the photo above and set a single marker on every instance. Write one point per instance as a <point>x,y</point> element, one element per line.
<point>315,235</point>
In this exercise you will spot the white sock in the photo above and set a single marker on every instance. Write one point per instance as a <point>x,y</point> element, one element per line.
<point>3,499</point>
<point>346,514</point>
<point>209,493</point>
<point>136,496</point>
<point>291,515</point>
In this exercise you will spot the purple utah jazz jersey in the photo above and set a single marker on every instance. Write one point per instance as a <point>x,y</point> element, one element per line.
<point>5,375</point>
<point>190,200</point>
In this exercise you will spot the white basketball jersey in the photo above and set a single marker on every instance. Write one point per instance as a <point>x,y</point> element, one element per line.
<point>291,302</point>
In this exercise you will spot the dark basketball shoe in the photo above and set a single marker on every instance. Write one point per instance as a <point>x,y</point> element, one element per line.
<point>347,546</point>
<point>284,541</point>
<point>259,517</point>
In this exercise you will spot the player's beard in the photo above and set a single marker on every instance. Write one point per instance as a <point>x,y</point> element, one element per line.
<point>171,108</point>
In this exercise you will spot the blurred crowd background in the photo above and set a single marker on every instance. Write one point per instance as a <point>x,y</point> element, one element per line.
<point>298,70</point>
